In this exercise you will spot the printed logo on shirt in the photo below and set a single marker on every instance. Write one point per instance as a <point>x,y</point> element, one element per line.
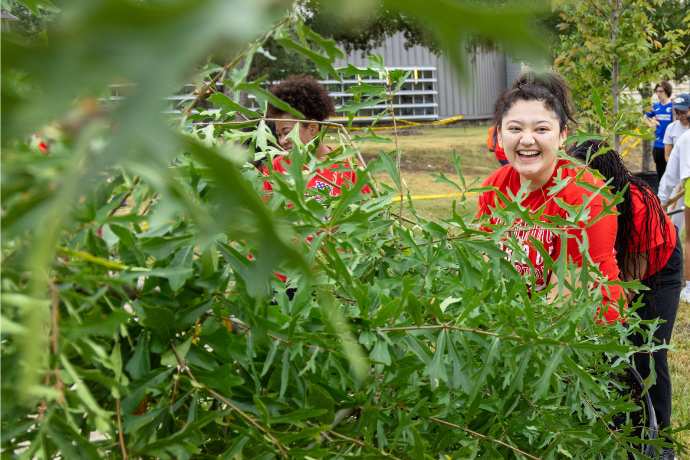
<point>548,240</point>
<point>318,185</point>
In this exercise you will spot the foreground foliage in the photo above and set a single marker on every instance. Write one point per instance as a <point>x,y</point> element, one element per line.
<point>167,334</point>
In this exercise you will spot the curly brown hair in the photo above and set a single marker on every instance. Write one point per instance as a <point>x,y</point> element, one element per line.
<point>305,94</point>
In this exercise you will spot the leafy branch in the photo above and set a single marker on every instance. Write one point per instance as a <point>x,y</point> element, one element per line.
<point>226,401</point>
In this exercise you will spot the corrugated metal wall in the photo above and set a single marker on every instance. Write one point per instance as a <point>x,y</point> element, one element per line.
<point>472,96</point>
<point>513,69</point>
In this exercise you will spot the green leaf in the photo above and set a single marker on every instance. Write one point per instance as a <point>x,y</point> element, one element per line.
<point>380,353</point>
<point>413,307</point>
<point>160,321</point>
<point>596,100</point>
<point>82,391</point>
<point>223,378</point>
<point>269,358</point>
<point>140,363</point>
<point>545,379</point>
<point>356,107</point>
<point>139,386</point>
<point>284,373</point>
<point>228,105</point>
<point>436,370</point>
<point>263,96</point>
<point>97,324</point>
<point>390,166</point>
<point>323,63</point>
<point>183,263</point>
<point>188,316</point>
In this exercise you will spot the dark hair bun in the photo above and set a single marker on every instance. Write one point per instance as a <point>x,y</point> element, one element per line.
<point>548,87</point>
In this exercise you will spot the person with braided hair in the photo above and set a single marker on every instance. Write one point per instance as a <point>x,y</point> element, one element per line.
<point>531,119</point>
<point>649,249</point>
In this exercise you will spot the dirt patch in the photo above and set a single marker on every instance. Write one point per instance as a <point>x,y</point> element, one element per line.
<point>410,132</point>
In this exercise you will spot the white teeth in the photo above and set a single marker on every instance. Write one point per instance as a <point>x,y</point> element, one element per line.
<point>528,154</point>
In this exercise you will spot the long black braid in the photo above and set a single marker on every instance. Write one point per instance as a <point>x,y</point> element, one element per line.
<point>611,166</point>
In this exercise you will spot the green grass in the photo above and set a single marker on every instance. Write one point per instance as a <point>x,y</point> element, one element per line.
<point>429,151</point>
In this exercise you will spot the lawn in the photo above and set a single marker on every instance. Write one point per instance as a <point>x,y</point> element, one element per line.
<point>426,151</point>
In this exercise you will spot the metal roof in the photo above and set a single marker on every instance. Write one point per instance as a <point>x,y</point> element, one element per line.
<point>7,16</point>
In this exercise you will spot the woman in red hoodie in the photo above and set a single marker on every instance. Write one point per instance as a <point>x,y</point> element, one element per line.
<point>532,118</point>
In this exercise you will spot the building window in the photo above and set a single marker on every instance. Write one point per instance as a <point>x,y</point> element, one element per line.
<point>416,99</point>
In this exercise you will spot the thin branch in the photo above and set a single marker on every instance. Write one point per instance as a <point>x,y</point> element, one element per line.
<point>119,430</point>
<point>226,401</point>
<point>596,412</point>
<point>481,436</point>
<point>175,386</point>
<point>447,326</point>
<point>405,219</point>
<point>123,201</point>
<point>330,124</point>
<point>397,150</point>
<point>54,313</point>
<point>445,239</point>
<point>360,443</point>
<point>225,69</point>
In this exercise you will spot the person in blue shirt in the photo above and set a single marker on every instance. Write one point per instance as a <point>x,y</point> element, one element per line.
<point>660,117</point>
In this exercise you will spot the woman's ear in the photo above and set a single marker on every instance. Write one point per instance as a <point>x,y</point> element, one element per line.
<point>499,138</point>
<point>313,129</point>
<point>563,137</point>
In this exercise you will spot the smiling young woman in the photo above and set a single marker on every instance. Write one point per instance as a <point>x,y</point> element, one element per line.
<point>532,118</point>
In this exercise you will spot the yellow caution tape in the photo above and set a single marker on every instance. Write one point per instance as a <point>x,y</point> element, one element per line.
<point>411,124</point>
<point>432,197</point>
<point>627,138</point>
<point>631,147</point>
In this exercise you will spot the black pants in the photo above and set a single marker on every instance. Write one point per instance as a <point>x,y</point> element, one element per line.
<point>661,301</point>
<point>659,155</point>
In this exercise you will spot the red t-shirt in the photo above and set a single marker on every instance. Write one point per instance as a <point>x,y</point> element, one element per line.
<point>660,250</point>
<point>601,235</point>
<point>333,174</point>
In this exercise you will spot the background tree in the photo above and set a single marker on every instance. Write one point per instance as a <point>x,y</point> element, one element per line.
<point>674,15</point>
<point>614,46</point>
<point>33,26</point>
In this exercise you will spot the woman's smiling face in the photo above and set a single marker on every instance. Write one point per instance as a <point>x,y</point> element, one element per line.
<point>528,130</point>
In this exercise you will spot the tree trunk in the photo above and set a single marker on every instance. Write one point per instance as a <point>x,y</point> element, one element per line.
<point>243,98</point>
<point>647,144</point>
<point>614,72</point>
<point>614,76</point>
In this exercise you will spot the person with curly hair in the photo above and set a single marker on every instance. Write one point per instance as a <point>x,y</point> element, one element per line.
<point>648,248</point>
<point>311,98</point>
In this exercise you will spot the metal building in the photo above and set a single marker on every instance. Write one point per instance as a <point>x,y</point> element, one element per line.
<point>435,90</point>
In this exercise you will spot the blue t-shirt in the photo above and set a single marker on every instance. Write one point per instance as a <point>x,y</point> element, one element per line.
<point>664,115</point>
